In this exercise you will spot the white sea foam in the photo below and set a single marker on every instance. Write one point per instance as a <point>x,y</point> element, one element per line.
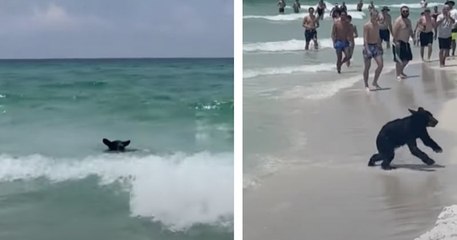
<point>445,227</point>
<point>250,73</point>
<point>178,190</point>
<point>290,45</point>
<point>297,16</point>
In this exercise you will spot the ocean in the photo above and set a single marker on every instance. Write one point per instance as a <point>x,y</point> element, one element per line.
<point>279,74</point>
<point>57,181</point>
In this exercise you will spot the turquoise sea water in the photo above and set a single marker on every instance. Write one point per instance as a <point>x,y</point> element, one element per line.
<point>56,181</point>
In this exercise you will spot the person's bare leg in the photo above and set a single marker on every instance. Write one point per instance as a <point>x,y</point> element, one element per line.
<point>307,45</point>
<point>430,48</point>
<point>339,56</point>
<point>387,45</point>
<point>446,53</point>
<point>453,47</point>
<point>315,44</point>
<point>441,56</point>
<point>422,53</point>
<point>378,70</point>
<point>366,70</point>
<point>398,69</point>
<point>403,66</point>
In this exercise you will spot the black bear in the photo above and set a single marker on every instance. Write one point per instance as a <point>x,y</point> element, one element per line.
<point>118,146</point>
<point>403,131</point>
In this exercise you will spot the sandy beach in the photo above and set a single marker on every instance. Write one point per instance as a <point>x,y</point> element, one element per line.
<point>324,189</point>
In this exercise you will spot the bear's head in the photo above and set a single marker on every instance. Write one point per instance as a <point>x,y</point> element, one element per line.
<point>424,117</point>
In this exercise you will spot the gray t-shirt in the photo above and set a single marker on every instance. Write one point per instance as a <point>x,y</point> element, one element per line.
<point>445,28</point>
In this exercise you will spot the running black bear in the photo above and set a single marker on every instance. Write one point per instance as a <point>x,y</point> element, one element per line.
<point>403,131</point>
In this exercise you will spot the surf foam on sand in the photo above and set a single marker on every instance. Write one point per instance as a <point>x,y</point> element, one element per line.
<point>445,227</point>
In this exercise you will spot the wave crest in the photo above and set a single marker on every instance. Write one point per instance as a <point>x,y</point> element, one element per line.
<point>178,190</point>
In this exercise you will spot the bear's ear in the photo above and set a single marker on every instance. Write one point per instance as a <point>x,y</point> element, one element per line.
<point>411,111</point>
<point>420,109</point>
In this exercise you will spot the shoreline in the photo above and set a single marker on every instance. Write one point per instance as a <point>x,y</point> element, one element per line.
<point>328,181</point>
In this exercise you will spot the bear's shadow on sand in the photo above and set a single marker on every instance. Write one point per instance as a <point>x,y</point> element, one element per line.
<point>418,167</point>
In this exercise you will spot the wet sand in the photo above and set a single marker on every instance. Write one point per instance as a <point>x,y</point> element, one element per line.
<point>326,191</point>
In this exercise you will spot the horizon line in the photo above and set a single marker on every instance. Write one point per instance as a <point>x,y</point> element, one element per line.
<point>98,58</point>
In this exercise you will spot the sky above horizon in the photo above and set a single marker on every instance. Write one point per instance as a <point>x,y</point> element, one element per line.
<point>115,28</point>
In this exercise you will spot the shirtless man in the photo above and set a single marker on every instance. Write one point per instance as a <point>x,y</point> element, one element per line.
<point>344,8</point>
<point>435,16</point>
<point>401,31</point>
<point>354,34</point>
<point>372,48</point>
<point>360,5</point>
<point>341,31</point>
<point>426,35</point>
<point>453,14</point>
<point>281,5</point>
<point>385,25</point>
<point>445,23</point>
<point>296,6</point>
<point>417,30</point>
<point>321,9</point>
<point>310,23</point>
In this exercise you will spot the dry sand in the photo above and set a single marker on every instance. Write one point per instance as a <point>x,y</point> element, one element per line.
<point>326,191</point>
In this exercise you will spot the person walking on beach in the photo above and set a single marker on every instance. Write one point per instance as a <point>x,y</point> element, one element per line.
<point>310,23</point>
<point>296,6</point>
<point>354,34</point>
<point>435,17</point>
<point>372,48</point>
<point>453,14</point>
<point>321,9</point>
<point>344,8</point>
<point>281,5</point>
<point>426,35</point>
<point>360,5</point>
<point>444,23</point>
<point>417,30</point>
<point>423,3</point>
<point>340,35</point>
<point>385,25</point>
<point>401,31</point>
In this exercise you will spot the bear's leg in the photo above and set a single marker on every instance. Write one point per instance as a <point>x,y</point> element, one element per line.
<point>387,157</point>
<point>375,158</point>
<point>418,153</point>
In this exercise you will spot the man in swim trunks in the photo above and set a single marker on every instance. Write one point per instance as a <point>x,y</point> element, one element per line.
<point>296,6</point>
<point>321,9</point>
<point>453,13</point>
<point>352,37</point>
<point>385,25</point>
<point>360,5</point>
<point>372,48</point>
<point>435,16</point>
<point>281,5</point>
<point>401,31</point>
<point>426,35</point>
<point>340,35</point>
<point>344,8</point>
<point>417,30</point>
<point>310,23</point>
<point>423,3</point>
<point>444,23</point>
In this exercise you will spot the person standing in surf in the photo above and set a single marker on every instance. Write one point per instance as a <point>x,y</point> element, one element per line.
<point>435,17</point>
<point>340,36</point>
<point>401,31</point>
<point>423,3</point>
<point>372,48</point>
<point>296,6</point>
<point>344,8</point>
<point>360,5</point>
<point>385,25</point>
<point>426,36</point>
<point>444,23</point>
<point>354,34</point>
<point>281,5</point>
<point>371,6</point>
<point>321,9</point>
<point>310,23</point>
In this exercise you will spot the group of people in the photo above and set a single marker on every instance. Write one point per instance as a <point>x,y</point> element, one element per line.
<point>380,28</point>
